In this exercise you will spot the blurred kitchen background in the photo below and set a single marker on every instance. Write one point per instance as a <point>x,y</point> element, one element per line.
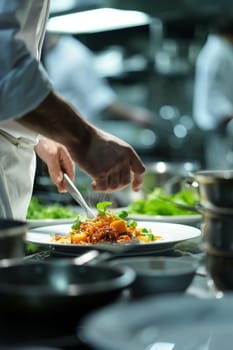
<point>149,60</point>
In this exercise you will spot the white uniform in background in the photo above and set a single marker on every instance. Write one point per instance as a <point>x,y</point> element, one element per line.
<point>23,86</point>
<point>70,66</point>
<point>213,97</point>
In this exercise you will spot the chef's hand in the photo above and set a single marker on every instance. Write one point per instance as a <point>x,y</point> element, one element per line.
<point>58,161</point>
<point>111,162</point>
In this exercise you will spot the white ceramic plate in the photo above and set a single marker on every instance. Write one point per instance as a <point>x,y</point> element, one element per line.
<point>48,222</point>
<point>178,322</point>
<point>171,235</point>
<point>178,219</point>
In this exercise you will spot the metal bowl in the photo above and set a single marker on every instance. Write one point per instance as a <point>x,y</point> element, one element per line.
<point>159,274</point>
<point>12,238</point>
<point>167,175</point>
<point>170,176</point>
<point>216,188</point>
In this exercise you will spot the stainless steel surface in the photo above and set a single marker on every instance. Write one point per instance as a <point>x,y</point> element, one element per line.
<point>72,189</point>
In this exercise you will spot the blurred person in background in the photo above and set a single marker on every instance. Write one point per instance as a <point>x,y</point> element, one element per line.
<point>30,107</point>
<point>213,92</point>
<point>71,67</point>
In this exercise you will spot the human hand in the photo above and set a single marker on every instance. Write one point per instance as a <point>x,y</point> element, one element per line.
<point>58,161</point>
<point>112,163</point>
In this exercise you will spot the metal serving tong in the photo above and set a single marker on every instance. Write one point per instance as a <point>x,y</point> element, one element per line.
<point>72,189</point>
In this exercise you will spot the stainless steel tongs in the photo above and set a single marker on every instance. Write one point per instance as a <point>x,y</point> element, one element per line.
<point>72,189</point>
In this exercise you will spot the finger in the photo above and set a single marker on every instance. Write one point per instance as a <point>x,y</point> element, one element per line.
<point>137,181</point>
<point>138,170</point>
<point>136,164</point>
<point>67,164</point>
<point>56,173</point>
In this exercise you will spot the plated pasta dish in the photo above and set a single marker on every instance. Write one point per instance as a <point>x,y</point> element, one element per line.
<point>106,227</point>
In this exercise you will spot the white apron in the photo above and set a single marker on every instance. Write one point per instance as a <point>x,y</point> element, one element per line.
<point>17,171</point>
<point>17,156</point>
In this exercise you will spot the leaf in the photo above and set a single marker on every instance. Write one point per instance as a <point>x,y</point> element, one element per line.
<point>102,206</point>
<point>123,214</point>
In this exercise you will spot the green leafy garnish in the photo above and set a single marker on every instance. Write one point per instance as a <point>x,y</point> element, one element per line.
<point>77,223</point>
<point>123,214</point>
<point>102,207</point>
<point>131,223</point>
<point>148,233</point>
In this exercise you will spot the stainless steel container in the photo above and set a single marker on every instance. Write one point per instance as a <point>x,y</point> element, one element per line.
<point>168,175</point>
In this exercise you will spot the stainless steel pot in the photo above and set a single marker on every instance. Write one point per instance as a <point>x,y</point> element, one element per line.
<point>167,175</point>
<point>216,188</point>
<point>12,238</point>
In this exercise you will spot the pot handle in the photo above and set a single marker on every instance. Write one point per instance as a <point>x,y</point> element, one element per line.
<point>191,181</point>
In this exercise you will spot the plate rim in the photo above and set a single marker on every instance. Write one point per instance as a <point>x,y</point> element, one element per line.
<point>162,218</point>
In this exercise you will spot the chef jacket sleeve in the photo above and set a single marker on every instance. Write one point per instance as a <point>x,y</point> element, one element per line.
<point>23,82</point>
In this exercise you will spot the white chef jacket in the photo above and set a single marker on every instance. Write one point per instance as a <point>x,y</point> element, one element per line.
<point>23,86</point>
<point>213,88</point>
<point>70,66</point>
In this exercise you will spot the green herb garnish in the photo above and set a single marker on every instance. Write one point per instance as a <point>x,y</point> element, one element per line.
<point>102,207</point>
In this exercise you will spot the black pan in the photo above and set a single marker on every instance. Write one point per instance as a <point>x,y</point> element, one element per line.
<point>48,298</point>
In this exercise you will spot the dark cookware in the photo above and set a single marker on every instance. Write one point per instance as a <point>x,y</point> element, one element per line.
<point>156,275</point>
<point>220,268</point>
<point>216,188</point>
<point>50,297</point>
<point>217,230</point>
<point>12,238</point>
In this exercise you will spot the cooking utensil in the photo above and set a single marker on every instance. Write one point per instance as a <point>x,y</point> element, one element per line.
<point>159,274</point>
<point>49,298</point>
<point>12,238</point>
<point>167,175</point>
<point>219,265</point>
<point>72,189</point>
<point>216,188</point>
